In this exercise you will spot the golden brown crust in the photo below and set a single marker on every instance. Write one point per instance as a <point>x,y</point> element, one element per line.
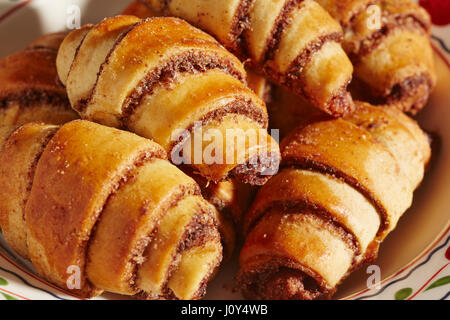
<point>393,59</point>
<point>101,201</point>
<point>294,43</point>
<point>30,90</point>
<point>343,185</point>
<point>256,82</point>
<point>151,97</point>
<point>64,161</point>
<point>354,158</point>
<point>230,197</point>
<point>400,134</point>
<point>18,161</point>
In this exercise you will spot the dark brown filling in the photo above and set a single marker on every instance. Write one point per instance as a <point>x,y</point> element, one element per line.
<point>127,177</point>
<point>239,24</point>
<point>77,50</point>
<point>308,164</point>
<point>290,284</point>
<point>282,279</point>
<point>258,169</point>
<point>302,206</point>
<point>305,56</point>
<point>14,129</point>
<point>241,106</point>
<point>190,62</point>
<point>81,105</point>
<point>418,86</point>
<point>32,97</point>
<point>281,23</point>
<point>138,250</point>
<point>356,12</point>
<point>33,166</point>
<point>369,44</point>
<point>341,103</point>
<point>200,230</point>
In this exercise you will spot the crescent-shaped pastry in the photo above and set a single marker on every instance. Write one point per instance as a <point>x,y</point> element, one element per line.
<point>343,186</point>
<point>388,42</point>
<point>98,209</point>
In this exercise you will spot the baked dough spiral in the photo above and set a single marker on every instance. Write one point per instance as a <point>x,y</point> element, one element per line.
<point>159,75</point>
<point>106,202</point>
<point>388,42</point>
<point>29,86</point>
<point>343,186</point>
<point>257,82</point>
<point>294,43</point>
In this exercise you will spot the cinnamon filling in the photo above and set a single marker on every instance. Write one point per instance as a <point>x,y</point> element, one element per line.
<point>239,24</point>
<point>373,41</point>
<point>302,206</point>
<point>190,62</point>
<point>128,176</point>
<point>258,169</point>
<point>305,56</point>
<point>201,229</point>
<point>418,86</point>
<point>34,96</point>
<point>254,172</point>
<point>313,165</point>
<point>33,165</point>
<point>138,250</point>
<point>282,278</point>
<point>280,24</point>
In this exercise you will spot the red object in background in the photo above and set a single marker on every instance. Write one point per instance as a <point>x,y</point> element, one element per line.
<point>438,9</point>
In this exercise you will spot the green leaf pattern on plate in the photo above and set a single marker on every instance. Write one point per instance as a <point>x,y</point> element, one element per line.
<point>3,282</point>
<point>8,297</point>
<point>439,282</point>
<point>402,294</point>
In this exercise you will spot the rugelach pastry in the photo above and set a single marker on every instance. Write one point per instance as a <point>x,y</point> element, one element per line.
<point>388,42</point>
<point>342,187</point>
<point>99,209</point>
<point>160,76</point>
<point>258,83</point>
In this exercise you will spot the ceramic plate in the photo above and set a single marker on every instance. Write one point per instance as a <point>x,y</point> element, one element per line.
<point>414,260</point>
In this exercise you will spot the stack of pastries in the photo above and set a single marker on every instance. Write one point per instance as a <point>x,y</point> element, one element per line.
<point>120,195</point>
